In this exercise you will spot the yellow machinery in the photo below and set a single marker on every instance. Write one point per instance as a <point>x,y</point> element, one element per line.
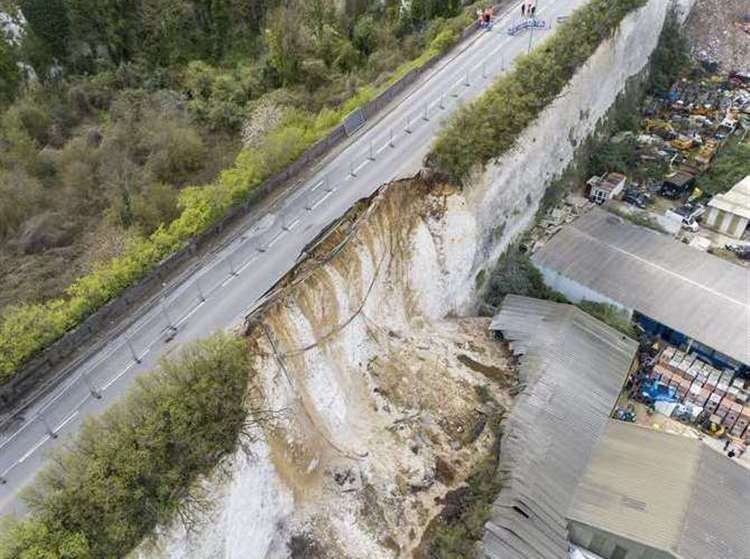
<point>712,426</point>
<point>682,143</point>
<point>661,128</point>
<point>707,153</point>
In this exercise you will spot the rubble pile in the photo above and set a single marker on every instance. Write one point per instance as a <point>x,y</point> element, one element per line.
<point>719,33</point>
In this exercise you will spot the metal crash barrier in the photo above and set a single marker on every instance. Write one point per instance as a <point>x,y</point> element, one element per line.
<point>530,23</point>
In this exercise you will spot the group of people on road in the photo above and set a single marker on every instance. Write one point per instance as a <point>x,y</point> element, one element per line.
<point>528,8</point>
<point>485,17</point>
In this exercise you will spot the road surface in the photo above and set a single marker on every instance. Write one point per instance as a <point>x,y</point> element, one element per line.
<point>221,291</point>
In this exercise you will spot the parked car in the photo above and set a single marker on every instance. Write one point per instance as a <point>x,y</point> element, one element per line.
<point>687,215</point>
<point>636,198</point>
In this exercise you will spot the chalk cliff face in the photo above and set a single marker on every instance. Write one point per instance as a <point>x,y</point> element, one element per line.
<point>372,380</point>
<point>374,388</point>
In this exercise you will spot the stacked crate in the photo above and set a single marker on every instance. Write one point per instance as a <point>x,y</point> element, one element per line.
<point>698,383</point>
<point>741,426</point>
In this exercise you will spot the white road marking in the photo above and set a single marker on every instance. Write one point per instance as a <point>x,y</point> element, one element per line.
<point>276,238</point>
<point>66,420</point>
<point>318,185</point>
<point>361,166</point>
<point>323,199</point>
<point>33,449</point>
<point>198,306</point>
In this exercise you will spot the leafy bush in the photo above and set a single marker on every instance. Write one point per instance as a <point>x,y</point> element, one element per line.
<point>489,126</point>
<point>671,56</point>
<point>611,315</point>
<point>730,167</point>
<point>9,76</point>
<point>134,467</point>
<point>515,273</point>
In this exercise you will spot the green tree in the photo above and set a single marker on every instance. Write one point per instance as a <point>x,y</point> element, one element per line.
<point>284,44</point>
<point>49,21</point>
<point>9,76</point>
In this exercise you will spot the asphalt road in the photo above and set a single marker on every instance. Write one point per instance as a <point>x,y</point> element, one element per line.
<point>220,292</point>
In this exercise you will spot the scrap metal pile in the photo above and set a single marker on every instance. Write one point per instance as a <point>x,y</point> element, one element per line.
<point>687,127</point>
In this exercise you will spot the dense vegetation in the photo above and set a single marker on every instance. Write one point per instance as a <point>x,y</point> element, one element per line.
<point>514,273</point>
<point>730,167</point>
<point>139,101</point>
<point>488,127</point>
<point>135,467</point>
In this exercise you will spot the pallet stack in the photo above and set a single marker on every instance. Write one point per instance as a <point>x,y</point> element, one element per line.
<point>698,383</point>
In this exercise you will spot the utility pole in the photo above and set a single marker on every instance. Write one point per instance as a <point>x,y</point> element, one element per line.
<point>531,36</point>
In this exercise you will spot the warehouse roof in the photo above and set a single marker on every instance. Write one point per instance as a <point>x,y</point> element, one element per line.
<point>668,492</point>
<point>573,367</point>
<point>736,201</point>
<point>698,294</point>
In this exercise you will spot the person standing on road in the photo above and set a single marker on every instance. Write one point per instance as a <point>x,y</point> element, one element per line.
<point>523,8</point>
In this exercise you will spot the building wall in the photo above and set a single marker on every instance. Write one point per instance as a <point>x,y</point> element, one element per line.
<point>610,546</point>
<point>725,222</point>
<point>575,291</point>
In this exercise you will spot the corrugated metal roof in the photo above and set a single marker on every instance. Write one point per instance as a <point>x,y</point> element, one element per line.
<point>736,201</point>
<point>669,492</point>
<point>698,294</point>
<point>574,367</point>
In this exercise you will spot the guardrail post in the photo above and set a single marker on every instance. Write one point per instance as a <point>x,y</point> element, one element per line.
<point>200,290</point>
<point>47,428</point>
<point>132,351</point>
<point>407,128</point>
<point>90,385</point>
<point>166,314</point>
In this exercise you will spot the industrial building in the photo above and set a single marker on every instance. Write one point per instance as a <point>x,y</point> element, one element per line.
<point>573,367</point>
<point>651,495</point>
<point>575,477</point>
<point>691,299</point>
<point>729,213</point>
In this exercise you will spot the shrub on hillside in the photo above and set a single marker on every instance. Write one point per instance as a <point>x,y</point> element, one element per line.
<point>489,126</point>
<point>134,467</point>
